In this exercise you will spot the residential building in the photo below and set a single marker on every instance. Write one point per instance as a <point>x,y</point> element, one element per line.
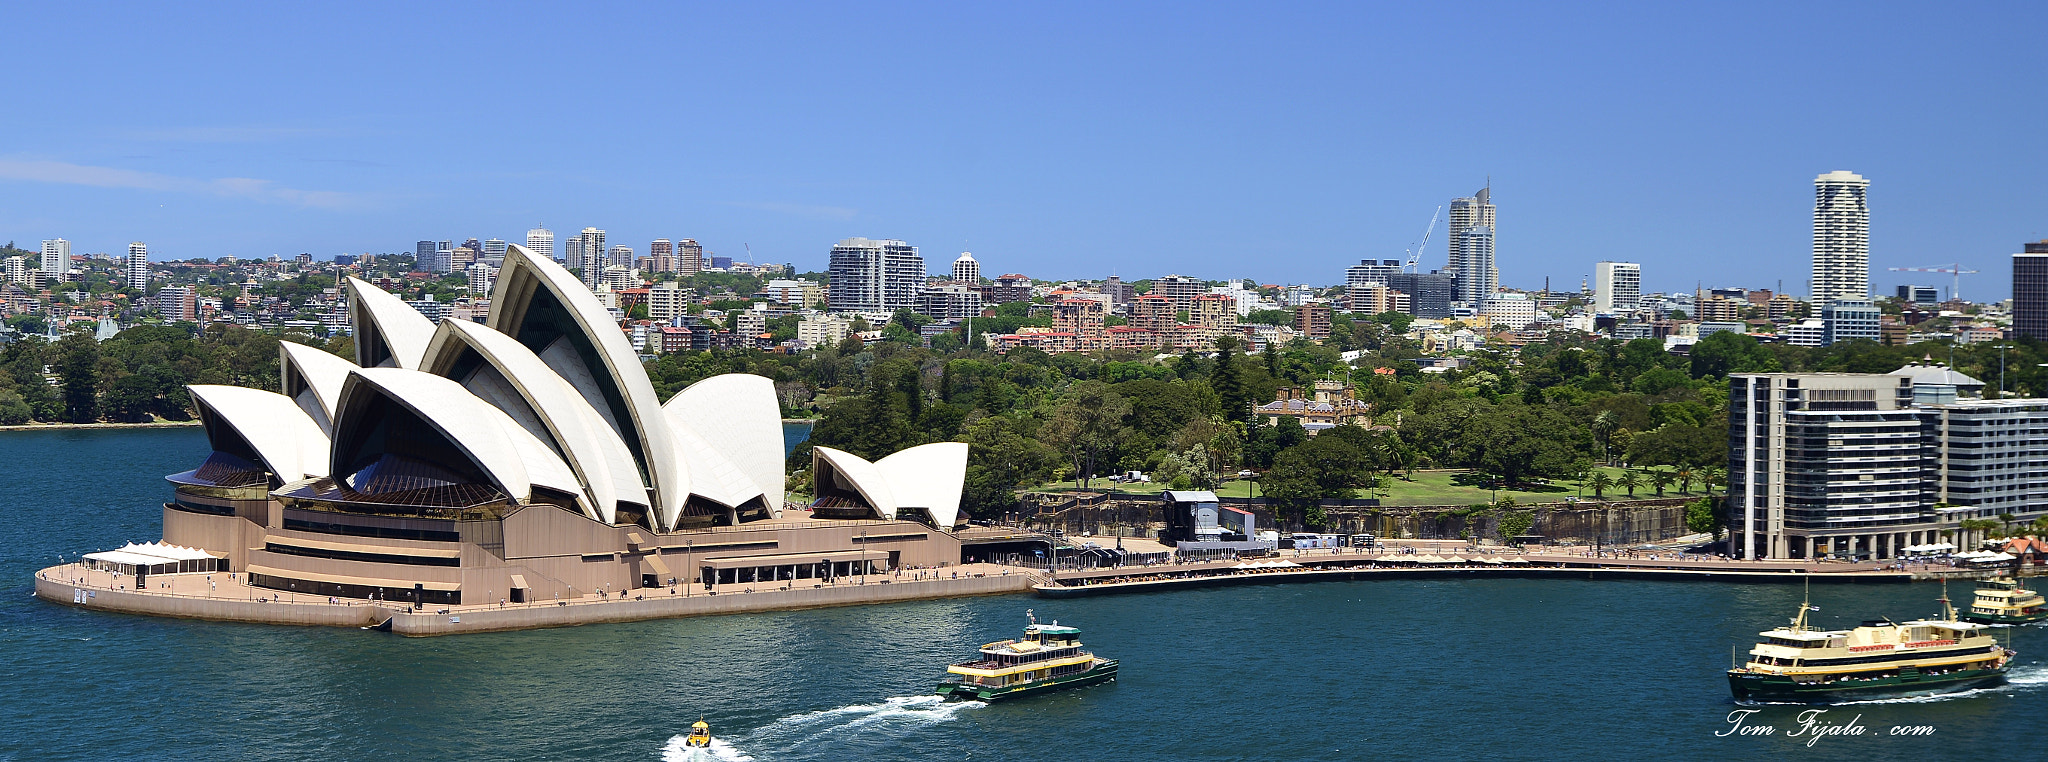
<point>435,311</point>
<point>823,330</point>
<point>1008,288</point>
<point>950,301</point>
<point>1847,319</point>
<point>875,276</point>
<point>1478,279</point>
<point>665,301</point>
<point>1375,298</point>
<point>588,255</point>
<point>1511,311</point>
<point>1154,313</point>
<point>689,257</point>
<point>802,294</point>
<point>1083,319</point>
<point>138,266</point>
<point>1241,294</point>
<point>17,271</point>
<point>177,303</point>
<point>541,241</point>
<point>1718,308</point>
<point>750,323</point>
<point>1181,289</point>
<point>661,256</point>
<point>1217,312</point>
<point>1469,212</point>
<point>1119,292</point>
<point>1313,319</point>
<point>1841,237</point>
<point>966,270</point>
<point>1332,403</point>
<point>56,260</point>
<point>1617,287</point>
<point>1371,271</point>
<point>1429,294</point>
<point>2030,290</point>
<point>481,277</point>
<point>423,255</point>
<point>1811,332</point>
<point>494,252</point>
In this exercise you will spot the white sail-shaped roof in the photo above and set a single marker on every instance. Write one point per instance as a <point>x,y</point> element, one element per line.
<point>739,412</point>
<point>857,473</point>
<point>929,477</point>
<point>289,443</point>
<point>313,378</point>
<point>514,460</point>
<point>545,405</point>
<point>388,332</point>
<point>578,338</point>
<point>712,475</point>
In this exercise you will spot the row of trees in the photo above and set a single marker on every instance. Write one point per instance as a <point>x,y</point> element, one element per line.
<point>139,375</point>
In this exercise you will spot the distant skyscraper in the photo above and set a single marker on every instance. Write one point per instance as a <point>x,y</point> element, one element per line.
<point>481,277</point>
<point>689,257</point>
<point>2030,291</point>
<point>494,252</point>
<point>1476,273</point>
<point>1429,294</point>
<point>1476,209</point>
<point>423,255</point>
<point>589,255</point>
<point>1841,237</point>
<point>541,241</point>
<point>17,270</point>
<point>875,276</point>
<point>661,254</point>
<point>56,259</point>
<point>138,266</point>
<point>1617,286</point>
<point>966,270</point>
<point>620,255</point>
<point>1370,271</point>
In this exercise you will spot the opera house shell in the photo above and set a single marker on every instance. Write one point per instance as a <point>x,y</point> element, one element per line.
<point>528,458</point>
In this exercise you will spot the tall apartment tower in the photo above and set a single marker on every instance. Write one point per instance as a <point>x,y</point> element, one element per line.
<point>966,270</point>
<point>1841,237</point>
<point>1477,276</point>
<point>689,257</point>
<point>17,271</point>
<point>138,266</point>
<point>56,259</point>
<point>1617,286</point>
<point>1467,212</point>
<point>589,255</point>
<point>2030,290</point>
<point>541,241</point>
<point>661,255</point>
<point>875,276</point>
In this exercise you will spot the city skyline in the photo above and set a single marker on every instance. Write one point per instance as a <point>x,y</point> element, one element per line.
<point>1335,147</point>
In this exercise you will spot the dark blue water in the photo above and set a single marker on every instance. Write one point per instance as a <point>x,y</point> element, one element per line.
<point>1505,669</point>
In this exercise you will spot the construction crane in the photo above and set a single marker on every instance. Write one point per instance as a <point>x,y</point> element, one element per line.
<point>1955,272</point>
<point>1415,254</point>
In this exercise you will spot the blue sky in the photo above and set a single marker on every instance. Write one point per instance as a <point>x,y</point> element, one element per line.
<point>1278,142</point>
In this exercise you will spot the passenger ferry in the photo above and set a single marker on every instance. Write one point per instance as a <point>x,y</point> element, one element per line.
<point>2001,600</point>
<point>1048,658</point>
<point>1880,659</point>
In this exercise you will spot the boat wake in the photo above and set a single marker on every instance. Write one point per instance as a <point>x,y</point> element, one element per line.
<point>2019,679</point>
<point>849,725</point>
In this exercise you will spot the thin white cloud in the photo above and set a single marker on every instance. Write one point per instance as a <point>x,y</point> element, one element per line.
<point>228,134</point>
<point>833,213</point>
<point>64,173</point>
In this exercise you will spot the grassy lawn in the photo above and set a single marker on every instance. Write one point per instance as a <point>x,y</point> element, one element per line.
<point>1435,487</point>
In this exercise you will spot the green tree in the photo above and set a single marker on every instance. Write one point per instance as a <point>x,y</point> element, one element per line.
<point>1661,479</point>
<point>1228,381</point>
<point>1727,352</point>
<point>1629,480</point>
<point>1599,484</point>
<point>1701,518</point>
<point>78,376</point>
<point>1088,423</point>
<point>1518,441</point>
<point>999,459</point>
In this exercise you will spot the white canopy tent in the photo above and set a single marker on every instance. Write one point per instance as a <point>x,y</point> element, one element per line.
<point>154,558</point>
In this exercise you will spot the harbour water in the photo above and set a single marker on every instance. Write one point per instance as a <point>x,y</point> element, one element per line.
<point>1498,669</point>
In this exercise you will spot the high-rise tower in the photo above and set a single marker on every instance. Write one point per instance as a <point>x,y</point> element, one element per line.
<point>875,276</point>
<point>1617,286</point>
<point>542,241</point>
<point>1467,212</point>
<point>138,266</point>
<point>966,270</point>
<point>1477,277</point>
<point>1841,237</point>
<point>56,259</point>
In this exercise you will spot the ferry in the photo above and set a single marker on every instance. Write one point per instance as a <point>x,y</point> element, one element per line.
<point>1048,658</point>
<point>2001,600</point>
<point>1880,659</point>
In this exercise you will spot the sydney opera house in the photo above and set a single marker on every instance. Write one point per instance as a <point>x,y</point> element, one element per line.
<point>528,459</point>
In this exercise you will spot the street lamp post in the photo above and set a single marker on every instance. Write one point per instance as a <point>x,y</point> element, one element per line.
<point>690,562</point>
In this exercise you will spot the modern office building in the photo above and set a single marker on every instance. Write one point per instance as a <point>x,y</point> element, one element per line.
<point>137,271</point>
<point>1924,296</point>
<point>1477,276</point>
<point>1617,287</point>
<point>1865,465</point>
<point>1847,319</point>
<point>1371,271</point>
<point>875,276</point>
<point>2030,291</point>
<point>494,252</point>
<point>1841,237</point>
<point>56,260</point>
<point>966,269</point>
<point>541,241</point>
<point>1429,294</point>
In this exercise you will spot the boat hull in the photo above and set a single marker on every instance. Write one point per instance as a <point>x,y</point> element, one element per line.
<point>1104,671</point>
<point>1753,686</point>
<point>2004,618</point>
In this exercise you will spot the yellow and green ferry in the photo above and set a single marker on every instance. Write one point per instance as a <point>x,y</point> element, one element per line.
<point>1048,658</point>
<point>1880,659</point>
<point>2001,600</point>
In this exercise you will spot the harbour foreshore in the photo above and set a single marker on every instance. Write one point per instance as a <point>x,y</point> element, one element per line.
<point>227,597</point>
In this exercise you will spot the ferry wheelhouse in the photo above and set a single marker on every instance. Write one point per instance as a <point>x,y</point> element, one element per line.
<point>2001,600</point>
<point>1049,657</point>
<point>1879,659</point>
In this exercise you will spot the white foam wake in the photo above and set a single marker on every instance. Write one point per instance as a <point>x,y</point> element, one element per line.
<point>891,718</point>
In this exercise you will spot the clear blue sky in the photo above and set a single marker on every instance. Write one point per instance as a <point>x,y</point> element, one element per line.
<point>1278,142</point>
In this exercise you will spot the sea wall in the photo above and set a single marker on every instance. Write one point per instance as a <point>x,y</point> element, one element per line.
<point>1584,522</point>
<point>192,607</point>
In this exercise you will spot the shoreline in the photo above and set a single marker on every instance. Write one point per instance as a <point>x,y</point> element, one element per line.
<point>77,426</point>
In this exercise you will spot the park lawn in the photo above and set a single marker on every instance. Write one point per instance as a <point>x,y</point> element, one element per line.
<point>1232,488</point>
<point>1429,487</point>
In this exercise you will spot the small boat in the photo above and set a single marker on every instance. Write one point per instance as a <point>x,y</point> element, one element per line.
<point>2001,600</point>
<point>1048,658</point>
<point>1880,659</point>
<point>700,736</point>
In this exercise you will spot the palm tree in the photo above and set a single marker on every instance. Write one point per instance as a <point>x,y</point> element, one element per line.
<point>1603,426</point>
<point>1685,476</point>
<point>1713,475</point>
<point>1630,480</point>
<point>1661,479</point>
<point>1600,482</point>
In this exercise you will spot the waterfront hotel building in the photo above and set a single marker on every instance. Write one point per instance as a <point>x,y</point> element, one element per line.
<point>1866,465</point>
<point>528,459</point>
